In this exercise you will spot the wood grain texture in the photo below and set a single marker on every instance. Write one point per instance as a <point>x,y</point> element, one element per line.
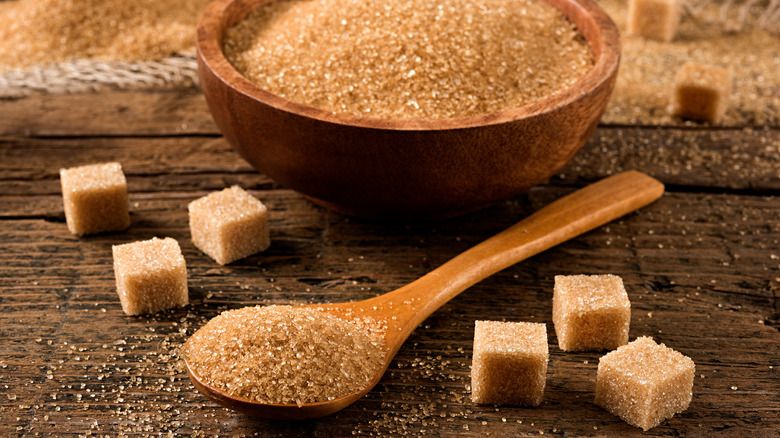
<point>701,267</point>
<point>115,113</point>
<point>728,159</point>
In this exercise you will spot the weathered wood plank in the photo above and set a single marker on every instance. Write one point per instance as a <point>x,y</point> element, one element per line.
<point>744,160</point>
<point>701,266</point>
<point>701,273</point>
<point>118,113</point>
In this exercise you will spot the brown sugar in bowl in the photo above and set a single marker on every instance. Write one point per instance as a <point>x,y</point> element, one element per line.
<point>405,168</point>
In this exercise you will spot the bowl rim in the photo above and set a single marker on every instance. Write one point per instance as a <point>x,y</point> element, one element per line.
<point>604,44</point>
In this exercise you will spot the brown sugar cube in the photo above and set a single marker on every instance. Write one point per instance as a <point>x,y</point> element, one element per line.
<point>644,383</point>
<point>701,92</point>
<point>95,198</point>
<point>590,312</point>
<point>229,225</point>
<point>654,19</point>
<point>151,276</point>
<point>510,363</point>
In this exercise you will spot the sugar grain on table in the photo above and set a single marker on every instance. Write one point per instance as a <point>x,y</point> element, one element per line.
<point>648,67</point>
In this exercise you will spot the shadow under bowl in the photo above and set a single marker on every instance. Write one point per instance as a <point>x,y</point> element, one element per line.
<point>405,169</point>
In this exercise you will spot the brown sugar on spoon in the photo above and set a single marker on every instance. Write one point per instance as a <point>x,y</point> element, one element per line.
<point>285,354</point>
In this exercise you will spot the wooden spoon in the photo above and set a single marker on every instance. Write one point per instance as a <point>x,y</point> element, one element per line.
<point>404,309</point>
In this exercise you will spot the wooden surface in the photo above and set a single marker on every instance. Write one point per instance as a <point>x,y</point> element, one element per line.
<point>701,266</point>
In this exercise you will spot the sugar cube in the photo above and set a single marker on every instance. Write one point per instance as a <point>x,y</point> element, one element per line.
<point>510,363</point>
<point>590,312</point>
<point>701,92</point>
<point>229,225</point>
<point>654,19</point>
<point>644,383</point>
<point>95,198</point>
<point>151,276</point>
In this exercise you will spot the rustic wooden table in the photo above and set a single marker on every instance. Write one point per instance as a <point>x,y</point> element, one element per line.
<point>701,266</point>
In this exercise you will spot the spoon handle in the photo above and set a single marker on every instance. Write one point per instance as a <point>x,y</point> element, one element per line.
<point>568,217</point>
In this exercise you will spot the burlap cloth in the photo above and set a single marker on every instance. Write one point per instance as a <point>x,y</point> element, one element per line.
<point>88,75</point>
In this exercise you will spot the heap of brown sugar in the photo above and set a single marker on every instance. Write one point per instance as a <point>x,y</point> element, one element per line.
<point>409,58</point>
<point>40,32</point>
<point>284,354</point>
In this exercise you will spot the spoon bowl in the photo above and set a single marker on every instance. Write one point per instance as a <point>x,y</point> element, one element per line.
<point>404,309</point>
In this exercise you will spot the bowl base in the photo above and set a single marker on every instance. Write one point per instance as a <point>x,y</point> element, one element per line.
<point>395,216</point>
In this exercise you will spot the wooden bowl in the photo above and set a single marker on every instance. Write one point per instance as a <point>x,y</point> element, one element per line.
<point>405,168</point>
